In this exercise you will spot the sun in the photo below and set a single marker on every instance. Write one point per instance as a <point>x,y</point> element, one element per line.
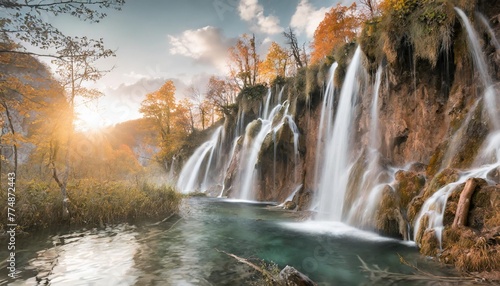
<point>88,119</point>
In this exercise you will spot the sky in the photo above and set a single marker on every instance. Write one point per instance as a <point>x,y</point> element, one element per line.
<point>185,41</point>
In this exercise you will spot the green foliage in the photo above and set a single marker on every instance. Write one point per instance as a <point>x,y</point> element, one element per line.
<point>278,81</point>
<point>91,204</point>
<point>343,55</point>
<point>425,25</point>
<point>254,92</point>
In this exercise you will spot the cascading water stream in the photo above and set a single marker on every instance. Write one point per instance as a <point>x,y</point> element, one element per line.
<point>189,178</point>
<point>487,25</point>
<point>266,106</point>
<point>370,189</point>
<point>325,123</point>
<point>251,149</point>
<point>480,63</point>
<point>488,159</point>
<point>334,178</point>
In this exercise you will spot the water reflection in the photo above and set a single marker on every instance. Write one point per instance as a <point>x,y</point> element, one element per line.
<point>183,251</point>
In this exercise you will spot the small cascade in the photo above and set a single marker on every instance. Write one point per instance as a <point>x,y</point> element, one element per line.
<point>227,163</point>
<point>240,123</point>
<point>296,134</point>
<point>480,64</point>
<point>280,95</point>
<point>251,148</point>
<point>190,178</point>
<point>335,174</point>
<point>266,106</point>
<point>326,121</point>
<point>486,162</point>
<point>486,24</point>
<point>291,196</point>
<point>255,135</point>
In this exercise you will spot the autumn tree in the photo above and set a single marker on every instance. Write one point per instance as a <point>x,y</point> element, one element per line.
<point>76,66</point>
<point>160,106</point>
<point>339,26</point>
<point>370,7</point>
<point>297,54</point>
<point>188,106</point>
<point>169,118</point>
<point>244,62</point>
<point>201,105</point>
<point>276,63</point>
<point>27,21</point>
<point>25,88</point>
<point>221,94</point>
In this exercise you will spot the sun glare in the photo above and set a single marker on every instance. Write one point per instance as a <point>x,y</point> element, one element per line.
<point>89,120</point>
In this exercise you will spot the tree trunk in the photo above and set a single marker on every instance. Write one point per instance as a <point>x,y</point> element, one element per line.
<point>11,127</point>
<point>464,203</point>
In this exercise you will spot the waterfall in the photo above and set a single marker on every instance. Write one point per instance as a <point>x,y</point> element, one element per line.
<point>251,147</point>
<point>486,24</point>
<point>335,173</point>
<point>480,63</point>
<point>326,121</point>
<point>367,196</point>
<point>291,196</point>
<point>488,158</point>
<point>189,178</point>
<point>266,106</point>
<point>296,155</point>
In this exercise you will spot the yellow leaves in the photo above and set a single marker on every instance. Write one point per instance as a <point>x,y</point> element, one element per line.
<point>339,26</point>
<point>275,64</point>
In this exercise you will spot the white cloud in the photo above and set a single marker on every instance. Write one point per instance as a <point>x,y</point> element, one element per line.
<point>307,18</point>
<point>251,11</point>
<point>207,45</point>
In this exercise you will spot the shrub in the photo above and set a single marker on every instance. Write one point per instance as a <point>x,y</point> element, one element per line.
<point>92,204</point>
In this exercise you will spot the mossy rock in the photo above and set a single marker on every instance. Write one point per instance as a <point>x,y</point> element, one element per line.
<point>290,205</point>
<point>414,208</point>
<point>408,185</point>
<point>436,159</point>
<point>442,179</point>
<point>494,175</point>
<point>389,219</point>
<point>429,244</point>
<point>253,129</point>
<point>485,207</point>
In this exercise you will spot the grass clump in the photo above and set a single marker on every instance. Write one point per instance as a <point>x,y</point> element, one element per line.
<point>91,204</point>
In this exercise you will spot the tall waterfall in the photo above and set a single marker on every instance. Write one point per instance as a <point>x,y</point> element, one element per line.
<point>326,121</point>
<point>369,190</point>
<point>195,173</point>
<point>335,173</point>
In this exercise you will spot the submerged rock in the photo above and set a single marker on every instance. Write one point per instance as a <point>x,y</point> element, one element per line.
<point>292,277</point>
<point>290,205</point>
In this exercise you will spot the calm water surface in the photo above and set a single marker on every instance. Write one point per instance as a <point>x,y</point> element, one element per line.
<point>184,252</point>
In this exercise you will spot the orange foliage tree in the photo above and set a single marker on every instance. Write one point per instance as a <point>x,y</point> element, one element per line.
<point>339,26</point>
<point>276,63</point>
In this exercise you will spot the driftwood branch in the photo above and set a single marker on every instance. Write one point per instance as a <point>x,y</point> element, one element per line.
<point>464,203</point>
<point>263,271</point>
<point>392,278</point>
